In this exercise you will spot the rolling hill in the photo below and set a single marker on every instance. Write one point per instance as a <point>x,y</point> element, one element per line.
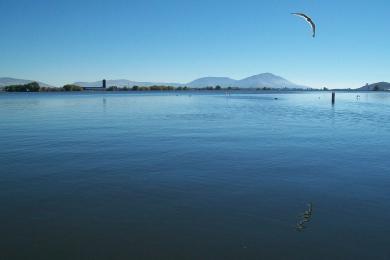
<point>267,80</point>
<point>12,81</point>
<point>380,86</point>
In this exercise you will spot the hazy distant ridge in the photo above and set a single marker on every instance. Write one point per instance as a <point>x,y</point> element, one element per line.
<point>376,86</point>
<point>123,83</point>
<point>12,81</point>
<point>268,80</point>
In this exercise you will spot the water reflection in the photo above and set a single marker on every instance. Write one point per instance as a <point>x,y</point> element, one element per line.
<point>104,104</point>
<point>305,218</point>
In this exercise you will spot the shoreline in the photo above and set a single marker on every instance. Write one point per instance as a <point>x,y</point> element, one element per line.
<point>177,92</point>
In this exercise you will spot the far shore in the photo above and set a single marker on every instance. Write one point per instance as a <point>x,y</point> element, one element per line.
<point>196,91</point>
<point>34,87</point>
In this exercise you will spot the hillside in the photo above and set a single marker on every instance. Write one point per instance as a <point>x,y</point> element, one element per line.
<point>12,81</point>
<point>380,86</point>
<point>267,80</point>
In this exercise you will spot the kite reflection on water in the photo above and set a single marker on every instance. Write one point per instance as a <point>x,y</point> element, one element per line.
<point>306,217</point>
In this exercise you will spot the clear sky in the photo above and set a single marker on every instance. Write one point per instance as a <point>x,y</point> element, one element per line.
<point>179,40</point>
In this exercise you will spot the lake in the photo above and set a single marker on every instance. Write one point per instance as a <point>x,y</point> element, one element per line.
<point>190,175</point>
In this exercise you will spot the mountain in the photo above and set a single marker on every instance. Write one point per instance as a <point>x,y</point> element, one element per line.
<point>376,86</point>
<point>212,81</point>
<point>11,81</point>
<point>268,80</point>
<point>124,83</point>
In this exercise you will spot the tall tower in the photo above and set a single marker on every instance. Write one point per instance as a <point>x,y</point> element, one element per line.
<point>104,83</point>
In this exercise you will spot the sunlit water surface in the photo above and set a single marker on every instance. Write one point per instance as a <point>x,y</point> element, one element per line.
<point>190,176</point>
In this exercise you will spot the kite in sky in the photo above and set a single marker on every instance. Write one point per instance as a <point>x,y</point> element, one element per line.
<point>309,20</point>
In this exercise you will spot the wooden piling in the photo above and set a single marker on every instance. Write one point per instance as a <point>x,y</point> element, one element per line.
<point>333,97</point>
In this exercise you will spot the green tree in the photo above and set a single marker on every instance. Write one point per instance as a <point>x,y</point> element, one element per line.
<point>112,88</point>
<point>33,87</point>
<point>72,88</point>
<point>30,87</point>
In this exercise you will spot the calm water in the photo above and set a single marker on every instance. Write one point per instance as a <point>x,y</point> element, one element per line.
<point>161,176</point>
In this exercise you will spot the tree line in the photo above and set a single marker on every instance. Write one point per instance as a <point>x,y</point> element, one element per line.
<point>30,87</point>
<point>35,87</point>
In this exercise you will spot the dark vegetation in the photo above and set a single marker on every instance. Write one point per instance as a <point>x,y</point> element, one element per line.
<point>138,88</point>
<point>35,87</point>
<point>72,88</point>
<point>30,87</point>
<point>164,88</point>
<point>264,88</point>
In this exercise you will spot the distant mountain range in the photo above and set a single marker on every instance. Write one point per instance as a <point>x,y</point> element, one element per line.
<point>11,81</point>
<point>267,80</point>
<point>124,83</point>
<point>380,86</point>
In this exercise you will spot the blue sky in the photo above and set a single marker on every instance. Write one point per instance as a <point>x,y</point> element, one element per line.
<point>61,42</point>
